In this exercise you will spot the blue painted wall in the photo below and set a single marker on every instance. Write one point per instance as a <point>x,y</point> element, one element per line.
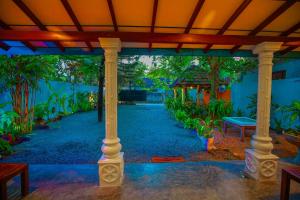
<point>44,92</point>
<point>284,92</point>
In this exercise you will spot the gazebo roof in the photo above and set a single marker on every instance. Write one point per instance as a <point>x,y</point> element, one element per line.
<point>194,76</point>
<point>185,26</point>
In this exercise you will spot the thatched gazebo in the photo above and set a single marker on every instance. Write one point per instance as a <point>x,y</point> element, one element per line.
<point>194,77</point>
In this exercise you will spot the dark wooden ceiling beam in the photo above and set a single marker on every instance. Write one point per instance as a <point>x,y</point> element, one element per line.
<point>286,5</point>
<point>75,20</point>
<point>192,20</point>
<point>154,14</point>
<point>229,22</point>
<point>145,37</point>
<point>35,20</point>
<point>112,14</point>
<point>291,30</point>
<point>286,33</point>
<point>288,49</point>
<point>4,26</point>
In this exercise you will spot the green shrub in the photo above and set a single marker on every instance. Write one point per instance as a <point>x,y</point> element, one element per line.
<point>41,111</point>
<point>5,147</point>
<point>191,123</point>
<point>217,109</point>
<point>180,115</point>
<point>206,127</point>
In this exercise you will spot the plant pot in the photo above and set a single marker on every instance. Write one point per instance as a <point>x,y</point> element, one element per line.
<point>295,140</point>
<point>207,143</point>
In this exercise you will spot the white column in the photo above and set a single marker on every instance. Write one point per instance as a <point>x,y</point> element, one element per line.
<point>111,163</point>
<point>261,164</point>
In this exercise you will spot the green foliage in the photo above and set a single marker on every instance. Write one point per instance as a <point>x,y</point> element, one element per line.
<point>131,72</point>
<point>167,69</point>
<point>41,111</point>
<point>278,125</point>
<point>191,123</point>
<point>5,147</point>
<point>85,101</point>
<point>180,115</point>
<point>252,106</point>
<point>217,109</point>
<point>8,122</point>
<point>206,127</point>
<point>173,104</point>
<point>294,111</point>
<point>239,113</point>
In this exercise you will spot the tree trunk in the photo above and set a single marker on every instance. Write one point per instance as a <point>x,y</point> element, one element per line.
<point>100,91</point>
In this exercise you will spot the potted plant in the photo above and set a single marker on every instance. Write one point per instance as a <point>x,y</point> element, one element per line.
<point>191,123</point>
<point>205,130</point>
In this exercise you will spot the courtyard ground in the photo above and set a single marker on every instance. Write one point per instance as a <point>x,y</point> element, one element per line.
<point>145,130</point>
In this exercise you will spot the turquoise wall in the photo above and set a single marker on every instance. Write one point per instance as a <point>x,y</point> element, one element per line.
<point>44,92</point>
<point>283,91</point>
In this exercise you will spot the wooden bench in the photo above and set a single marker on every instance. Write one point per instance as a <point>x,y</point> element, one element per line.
<point>243,123</point>
<point>286,175</point>
<point>7,172</point>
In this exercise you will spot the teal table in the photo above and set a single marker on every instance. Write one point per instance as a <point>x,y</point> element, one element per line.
<point>243,123</point>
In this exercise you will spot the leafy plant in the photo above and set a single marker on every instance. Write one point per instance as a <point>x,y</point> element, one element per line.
<point>278,125</point>
<point>239,113</point>
<point>41,111</point>
<point>5,147</point>
<point>8,122</point>
<point>293,114</point>
<point>206,127</point>
<point>217,109</point>
<point>191,123</point>
<point>252,106</point>
<point>180,115</point>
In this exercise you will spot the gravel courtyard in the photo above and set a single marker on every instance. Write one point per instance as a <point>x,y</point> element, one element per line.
<point>145,131</point>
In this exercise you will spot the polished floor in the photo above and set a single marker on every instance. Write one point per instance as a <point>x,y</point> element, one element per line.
<point>190,180</point>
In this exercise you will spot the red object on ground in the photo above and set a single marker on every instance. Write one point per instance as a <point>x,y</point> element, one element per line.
<point>157,159</point>
<point>286,175</point>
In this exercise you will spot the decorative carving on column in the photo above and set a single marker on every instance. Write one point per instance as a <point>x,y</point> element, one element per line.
<point>261,164</point>
<point>111,163</point>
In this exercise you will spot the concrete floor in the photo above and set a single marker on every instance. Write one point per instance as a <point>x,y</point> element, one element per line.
<point>190,180</point>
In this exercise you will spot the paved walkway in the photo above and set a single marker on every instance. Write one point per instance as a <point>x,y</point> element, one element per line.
<point>145,131</point>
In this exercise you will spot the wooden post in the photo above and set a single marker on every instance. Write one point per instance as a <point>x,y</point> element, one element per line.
<point>198,95</point>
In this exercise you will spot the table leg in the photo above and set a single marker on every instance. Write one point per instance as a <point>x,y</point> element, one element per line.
<point>285,186</point>
<point>24,182</point>
<point>3,191</point>
<point>242,133</point>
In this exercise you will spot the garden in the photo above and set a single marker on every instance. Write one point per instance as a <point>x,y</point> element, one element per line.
<point>40,92</point>
<point>25,78</point>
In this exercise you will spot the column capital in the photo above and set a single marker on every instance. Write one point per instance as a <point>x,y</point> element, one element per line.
<point>267,47</point>
<point>110,43</point>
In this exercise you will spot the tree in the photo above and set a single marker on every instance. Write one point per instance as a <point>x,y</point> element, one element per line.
<point>21,75</point>
<point>221,67</point>
<point>167,69</point>
<point>130,72</point>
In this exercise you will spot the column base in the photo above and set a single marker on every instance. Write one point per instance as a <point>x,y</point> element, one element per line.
<point>111,171</point>
<point>260,167</point>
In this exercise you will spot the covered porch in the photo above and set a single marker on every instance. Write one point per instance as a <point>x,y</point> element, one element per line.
<point>146,28</point>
